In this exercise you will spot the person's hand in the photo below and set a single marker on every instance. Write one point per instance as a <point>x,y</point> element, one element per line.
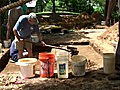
<point>43,43</point>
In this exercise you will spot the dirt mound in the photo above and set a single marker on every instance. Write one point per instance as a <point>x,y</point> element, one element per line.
<point>110,34</point>
<point>84,16</point>
<point>84,20</point>
<point>97,16</point>
<point>55,18</point>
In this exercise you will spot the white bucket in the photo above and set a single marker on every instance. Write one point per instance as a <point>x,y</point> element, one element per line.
<point>0,47</point>
<point>62,53</point>
<point>102,22</point>
<point>6,43</point>
<point>26,71</point>
<point>35,38</point>
<point>27,67</point>
<point>62,67</point>
<point>109,63</point>
<point>78,63</point>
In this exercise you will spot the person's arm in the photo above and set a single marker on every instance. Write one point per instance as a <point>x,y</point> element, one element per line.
<point>39,36</point>
<point>17,28</point>
<point>109,12</point>
<point>8,23</point>
<point>37,31</point>
<point>16,34</point>
<point>40,39</point>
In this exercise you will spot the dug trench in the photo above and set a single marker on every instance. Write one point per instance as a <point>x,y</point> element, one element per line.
<point>37,48</point>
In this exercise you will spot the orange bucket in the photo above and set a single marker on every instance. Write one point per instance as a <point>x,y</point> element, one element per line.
<point>47,64</point>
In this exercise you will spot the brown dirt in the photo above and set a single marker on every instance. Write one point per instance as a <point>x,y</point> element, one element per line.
<point>94,79</point>
<point>110,34</point>
<point>83,20</point>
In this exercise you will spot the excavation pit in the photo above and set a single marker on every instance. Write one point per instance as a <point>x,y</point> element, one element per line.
<point>94,59</point>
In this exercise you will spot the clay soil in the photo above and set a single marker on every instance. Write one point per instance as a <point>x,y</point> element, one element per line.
<point>94,79</point>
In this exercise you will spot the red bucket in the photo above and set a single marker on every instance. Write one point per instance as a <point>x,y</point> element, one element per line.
<point>47,64</point>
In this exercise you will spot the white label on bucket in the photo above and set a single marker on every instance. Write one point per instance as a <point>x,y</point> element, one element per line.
<point>62,69</point>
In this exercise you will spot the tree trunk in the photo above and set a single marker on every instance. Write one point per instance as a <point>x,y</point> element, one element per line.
<point>106,7</point>
<point>53,1</point>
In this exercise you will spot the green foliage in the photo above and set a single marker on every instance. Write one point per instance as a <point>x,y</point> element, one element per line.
<point>70,5</point>
<point>77,6</point>
<point>4,2</point>
<point>115,12</point>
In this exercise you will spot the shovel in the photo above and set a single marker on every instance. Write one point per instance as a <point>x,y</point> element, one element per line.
<point>51,46</point>
<point>69,49</point>
<point>72,50</point>
<point>57,48</point>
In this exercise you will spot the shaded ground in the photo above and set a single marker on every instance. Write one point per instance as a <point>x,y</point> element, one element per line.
<point>94,79</point>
